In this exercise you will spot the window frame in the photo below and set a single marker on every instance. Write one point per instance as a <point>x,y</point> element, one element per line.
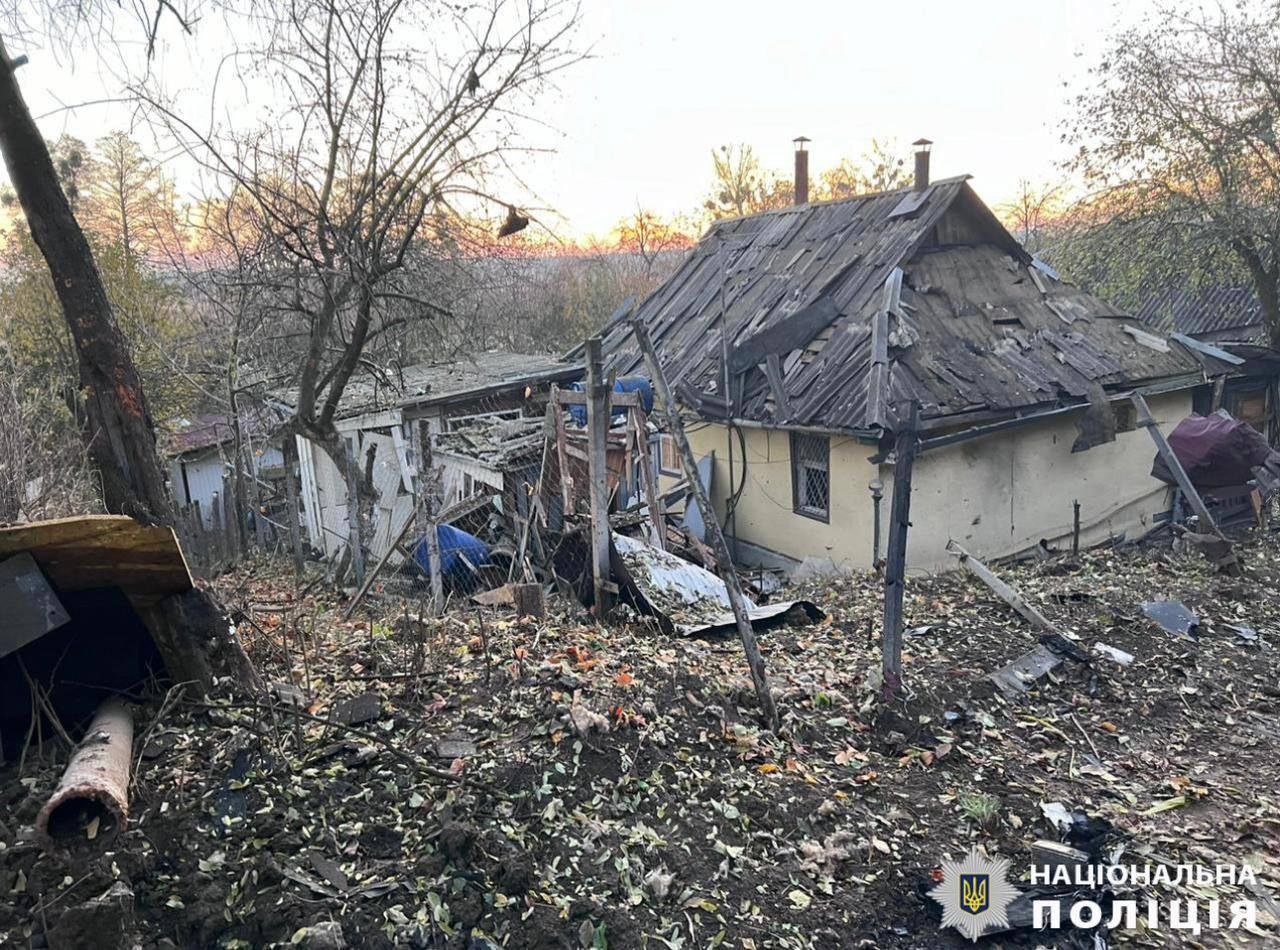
<point>665,440</point>
<point>800,466</point>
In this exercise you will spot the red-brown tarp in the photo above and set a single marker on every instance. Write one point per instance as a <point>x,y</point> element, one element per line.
<point>1217,451</point>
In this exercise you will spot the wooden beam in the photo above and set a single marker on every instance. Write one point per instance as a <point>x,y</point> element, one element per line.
<point>1000,588</point>
<point>1221,554</point>
<point>598,414</point>
<point>773,370</point>
<point>650,478</point>
<point>567,397</point>
<point>562,453</point>
<point>895,570</point>
<point>724,564</point>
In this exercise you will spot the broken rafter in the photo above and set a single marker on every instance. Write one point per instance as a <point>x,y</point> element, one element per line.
<point>724,563</point>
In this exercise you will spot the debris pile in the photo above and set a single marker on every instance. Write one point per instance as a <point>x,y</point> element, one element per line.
<point>485,780</point>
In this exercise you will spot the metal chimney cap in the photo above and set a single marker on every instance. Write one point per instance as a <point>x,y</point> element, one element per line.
<point>800,140</point>
<point>922,144</point>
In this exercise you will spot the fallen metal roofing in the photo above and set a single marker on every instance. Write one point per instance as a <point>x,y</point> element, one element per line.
<point>689,598</point>
<point>831,315</point>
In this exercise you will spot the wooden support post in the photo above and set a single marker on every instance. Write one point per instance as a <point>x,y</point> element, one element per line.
<point>1221,552</point>
<point>1000,588</point>
<point>432,540</point>
<point>217,537</point>
<point>598,412</point>
<point>198,543</point>
<point>231,519</point>
<point>392,548</point>
<point>291,494</point>
<point>724,564</point>
<point>649,478</point>
<point>354,544</point>
<point>895,570</point>
<point>562,452</point>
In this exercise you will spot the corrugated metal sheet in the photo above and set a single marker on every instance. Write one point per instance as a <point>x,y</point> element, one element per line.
<point>1205,312</point>
<point>974,329</point>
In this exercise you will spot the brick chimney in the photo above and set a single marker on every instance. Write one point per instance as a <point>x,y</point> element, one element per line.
<point>922,163</point>
<point>802,171</point>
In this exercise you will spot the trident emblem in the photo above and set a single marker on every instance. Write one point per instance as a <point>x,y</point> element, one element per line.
<point>974,891</point>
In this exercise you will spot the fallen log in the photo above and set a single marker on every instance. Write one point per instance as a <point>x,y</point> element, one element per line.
<point>91,802</point>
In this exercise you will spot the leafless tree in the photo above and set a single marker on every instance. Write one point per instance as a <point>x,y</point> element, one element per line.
<point>386,117</point>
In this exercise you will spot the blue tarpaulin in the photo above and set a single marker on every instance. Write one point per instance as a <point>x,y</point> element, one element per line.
<point>628,384</point>
<point>454,545</point>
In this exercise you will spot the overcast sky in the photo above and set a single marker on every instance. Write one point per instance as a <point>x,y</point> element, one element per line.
<point>671,79</point>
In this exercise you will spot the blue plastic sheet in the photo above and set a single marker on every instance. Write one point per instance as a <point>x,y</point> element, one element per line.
<point>627,384</point>
<point>454,545</point>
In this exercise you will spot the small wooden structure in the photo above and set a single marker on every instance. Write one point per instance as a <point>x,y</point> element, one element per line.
<point>121,584</point>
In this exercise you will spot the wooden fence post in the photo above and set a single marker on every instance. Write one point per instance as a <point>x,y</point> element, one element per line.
<point>217,539</point>
<point>895,569</point>
<point>354,543</point>
<point>724,563</point>
<point>430,511</point>
<point>598,413</point>
<point>198,541</point>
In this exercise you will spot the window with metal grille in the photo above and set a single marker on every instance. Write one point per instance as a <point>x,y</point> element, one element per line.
<point>811,475</point>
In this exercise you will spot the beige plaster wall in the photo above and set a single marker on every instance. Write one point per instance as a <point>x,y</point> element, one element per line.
<point>996,495</point>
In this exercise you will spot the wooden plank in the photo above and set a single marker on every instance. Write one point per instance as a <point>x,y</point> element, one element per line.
<point>1000,588</point>
<point>724,564</point>
<point>567,397</point>
<point>895,571</point>
<point>598,416</point>
<point>652,495</point>
<point>562,456</point>
<point>102,551</point>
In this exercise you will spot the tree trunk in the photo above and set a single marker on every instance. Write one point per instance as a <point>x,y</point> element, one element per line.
<point>119,433</point>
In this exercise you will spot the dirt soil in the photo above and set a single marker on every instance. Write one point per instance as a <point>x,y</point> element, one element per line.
<point>482,780</point>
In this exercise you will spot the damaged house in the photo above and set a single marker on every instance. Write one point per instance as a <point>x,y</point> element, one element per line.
<point>390,422</point>
<point>801,337</point>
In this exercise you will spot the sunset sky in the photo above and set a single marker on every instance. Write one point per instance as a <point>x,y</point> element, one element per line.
<point>671,79</point>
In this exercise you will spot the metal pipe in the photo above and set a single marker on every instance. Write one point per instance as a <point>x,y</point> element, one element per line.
<point>877,494</point>
<point>91,802</point>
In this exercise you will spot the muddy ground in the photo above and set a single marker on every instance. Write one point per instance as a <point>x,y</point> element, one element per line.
<point>482,780</point>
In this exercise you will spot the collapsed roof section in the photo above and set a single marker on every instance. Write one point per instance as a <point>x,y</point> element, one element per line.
<point>832,315</point>
<point>467,377</point>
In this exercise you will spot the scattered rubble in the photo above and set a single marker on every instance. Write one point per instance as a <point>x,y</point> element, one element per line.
<point>535,783</point>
